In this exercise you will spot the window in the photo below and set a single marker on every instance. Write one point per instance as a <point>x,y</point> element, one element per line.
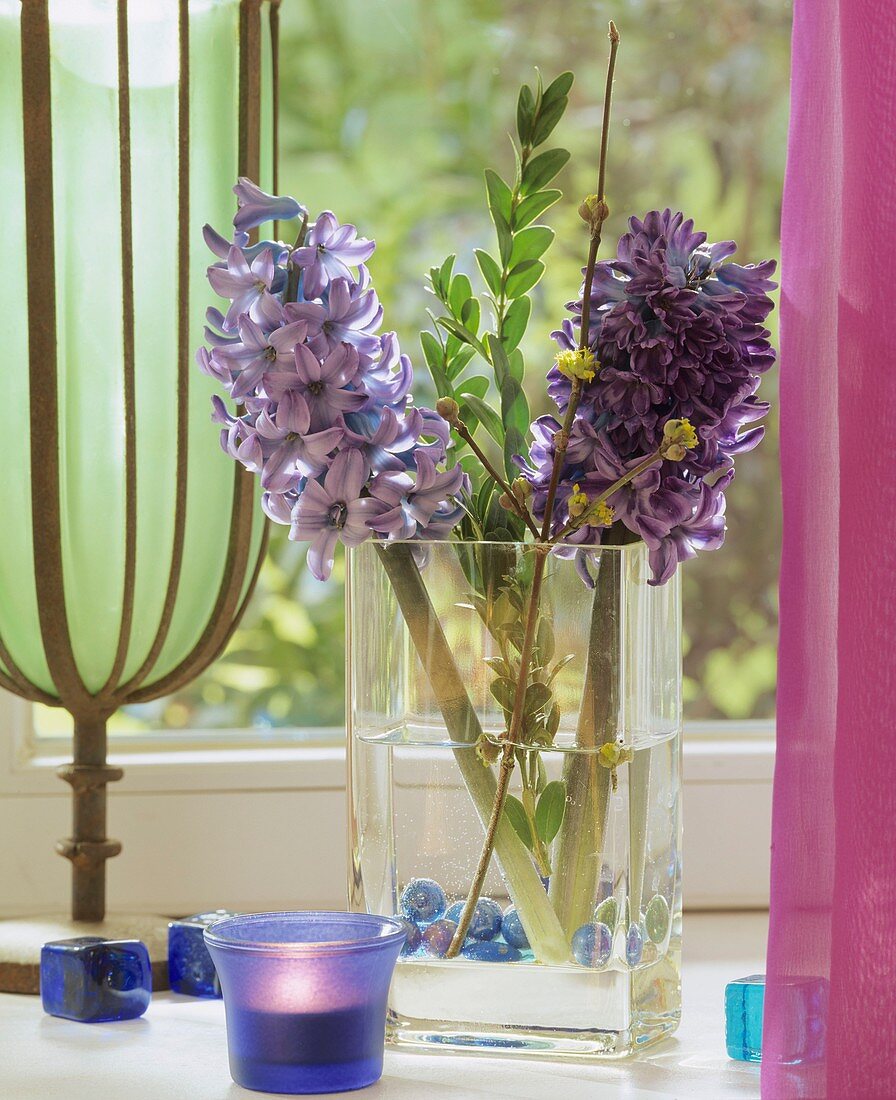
<point>390,113</point>
<point>399,147</point>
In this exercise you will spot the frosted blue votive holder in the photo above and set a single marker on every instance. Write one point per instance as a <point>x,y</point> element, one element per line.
<point>305,997</point>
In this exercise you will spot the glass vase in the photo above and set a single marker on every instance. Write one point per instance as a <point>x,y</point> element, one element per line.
<point>574,949</point>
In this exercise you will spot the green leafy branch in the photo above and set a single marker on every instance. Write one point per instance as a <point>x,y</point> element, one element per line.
<point>509,275</point>
<point>501,602</point>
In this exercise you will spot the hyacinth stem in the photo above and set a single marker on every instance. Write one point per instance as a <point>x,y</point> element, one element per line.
<point>544,543</point>
<point>580,842</point>
<point>462,723</point>
<point>292,279</point>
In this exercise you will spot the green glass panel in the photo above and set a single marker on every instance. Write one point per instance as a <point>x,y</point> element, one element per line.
<point>18,601</point>
<point>89,322</point>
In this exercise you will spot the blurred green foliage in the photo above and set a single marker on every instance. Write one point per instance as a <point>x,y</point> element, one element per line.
<point>391,110</point>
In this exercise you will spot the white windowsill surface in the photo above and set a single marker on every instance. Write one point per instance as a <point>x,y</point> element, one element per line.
<point>178,1048</point>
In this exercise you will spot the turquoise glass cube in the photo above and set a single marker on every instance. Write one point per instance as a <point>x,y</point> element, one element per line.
<point>802,1024</point>
<point>93,980</point>
<point>190,967</point>
<point>744,1000</point>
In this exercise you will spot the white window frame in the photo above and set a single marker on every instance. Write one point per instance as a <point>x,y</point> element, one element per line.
<point>244,827</point>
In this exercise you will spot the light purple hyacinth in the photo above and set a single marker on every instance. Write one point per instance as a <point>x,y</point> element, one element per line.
<point>328,387</point>
<point>257,351</point>
<point>325,408</point>
<point>333,510</point>
<point>291,450</point>
<point>329,252</point>
<point>411,502</point>
<point>257,207</point>
<point>248,286</point>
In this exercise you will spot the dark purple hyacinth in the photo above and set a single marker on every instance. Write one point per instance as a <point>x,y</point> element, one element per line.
<point>677,330</point>
<point>327,421</point>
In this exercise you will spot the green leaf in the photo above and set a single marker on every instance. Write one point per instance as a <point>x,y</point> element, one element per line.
<point>460,291</point>
<point>469,314</point>
<point>545,641</point>
<point>443,278</point>
<point>533,206</point>
<point>499,195</point>
<point>459,360</point>
<point>523,277</point>
<point>538,695</point>
<point>550,810</point>
<point>477,385</point>
<point>499,665</point>
<point>505,238</point>
<point>559,666</point>
<point>499,360</point>
<point>488,418</point>
<point>525,114</point>
<point>456,330</point>
<point>548,117</point>
<point>504,692</point>
<point>517,366</point>
<point>432,349</point>
<point>531,243</point>
<point>516,320</point>
<point>490,271</point>
<point>515,415</point>
<point>516,815</point>
<point>558,88</point>
<point>440,380</point>
<point>542,169</point>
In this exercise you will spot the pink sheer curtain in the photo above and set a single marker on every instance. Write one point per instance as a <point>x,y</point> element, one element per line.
<point>831,994</point>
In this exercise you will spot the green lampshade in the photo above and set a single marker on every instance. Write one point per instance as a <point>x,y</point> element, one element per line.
<point>90,360</point>
<point>129,542</point>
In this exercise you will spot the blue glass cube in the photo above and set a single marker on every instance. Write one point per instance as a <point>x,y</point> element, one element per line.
<point>95,980</point>
<point>190,967</point>
<point>744,1000</point>
<point>802,1026</point>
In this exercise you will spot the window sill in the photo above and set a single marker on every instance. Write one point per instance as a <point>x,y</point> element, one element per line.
<point>722,759</point>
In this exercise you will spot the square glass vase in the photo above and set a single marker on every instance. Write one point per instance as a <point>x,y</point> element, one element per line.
<point>574,951</point>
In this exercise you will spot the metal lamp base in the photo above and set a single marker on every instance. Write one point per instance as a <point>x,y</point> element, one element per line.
<point>22,938</point>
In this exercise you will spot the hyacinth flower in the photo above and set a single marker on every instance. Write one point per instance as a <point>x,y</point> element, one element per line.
<point>330,252</point>
<point>333,510</point>
<point>248,285</point>
<point>655,384</point>
<point>323,405</point>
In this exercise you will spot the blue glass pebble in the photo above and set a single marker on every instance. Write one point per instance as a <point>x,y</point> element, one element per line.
<point>437,938</point>
<point>413,936</point>
<point>592,944</point>
<point>490,951</point>
<point>744,1000</point>
<point>486,922</point>
<point>190,967</point>
<point>423,900</point>
<point>93,980</point>
<point>512,929</point>
<point>634,945</point>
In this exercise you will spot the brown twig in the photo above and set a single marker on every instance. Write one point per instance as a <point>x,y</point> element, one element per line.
<point>544,543</point>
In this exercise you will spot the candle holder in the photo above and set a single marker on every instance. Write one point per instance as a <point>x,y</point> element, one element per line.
<point>305,997</point>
